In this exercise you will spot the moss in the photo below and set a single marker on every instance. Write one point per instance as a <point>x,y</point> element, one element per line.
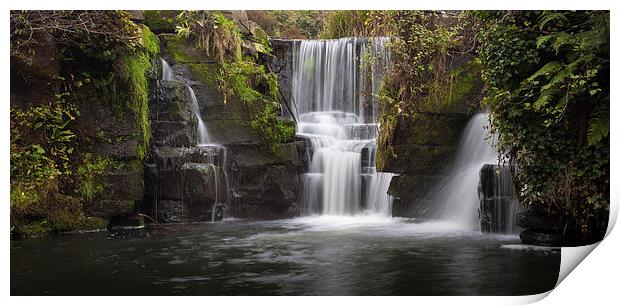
<point>33,229</point>
<point>457,93</point>
<point>182,51</point>
<point>205,73</point>
<point>417,159</point>
<point>84,223</point>
<point>466,87</point>
<point>161,21</point>
<point>149,41</point>
<point>134,69</point>
<point>64,223</point>
<point>55,213</point>
<point>263,39</point>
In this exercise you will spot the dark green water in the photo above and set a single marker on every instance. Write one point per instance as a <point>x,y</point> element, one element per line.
<point>307,256</point>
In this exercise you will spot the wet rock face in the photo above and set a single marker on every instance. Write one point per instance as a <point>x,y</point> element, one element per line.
<point>202,191</point>
<point>265,186</point>
<point>422,149</point>
<point>240,176</point>
<point>33,82</point>
<point>282,65</point>
<point>172,122</point>
<point>185,184</point>
<point>118,138</point>
<point>498,203</point>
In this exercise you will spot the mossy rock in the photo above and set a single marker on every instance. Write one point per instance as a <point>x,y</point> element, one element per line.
<point>412,186</point>
<point>231,131</point>
<point>181,50</point>
<point>32,229</point>
<point>431,129</point>
<point>59,221</point>
<point>416,159</point>
<point>205,73</point>
<point>172,104</point>
<point>460,93</point>
<point>161,21</point>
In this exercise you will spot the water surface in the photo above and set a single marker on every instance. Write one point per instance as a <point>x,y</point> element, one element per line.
<point>363,255</point>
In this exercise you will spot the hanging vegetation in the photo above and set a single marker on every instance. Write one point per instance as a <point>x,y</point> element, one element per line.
<point>239,77</point>
<point>92,58</point>
<point>547,75</point>
<point>212,32</point>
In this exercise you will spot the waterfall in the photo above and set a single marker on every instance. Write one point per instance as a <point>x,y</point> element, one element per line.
<point>203,135</point>
<point>334,87</point>
<point>458,194</point>
<point>166,73</point>
<point>379,202</point>
<point>498,201</point>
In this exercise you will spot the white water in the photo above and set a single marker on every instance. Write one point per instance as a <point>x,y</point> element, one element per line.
<point>334,83</point>
<point>458,194</point>
<point>166,72</point>
<point>505,203</point>
<point>203,135</point>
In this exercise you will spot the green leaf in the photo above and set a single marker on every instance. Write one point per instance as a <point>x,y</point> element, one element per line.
<point>547,17</point>
<point>598,128</point>
<point>549,68</point>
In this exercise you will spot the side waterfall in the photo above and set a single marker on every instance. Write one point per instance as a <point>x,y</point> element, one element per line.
<point>201,165</point>
<point>334,87</point>
<point>166,73</point>
<point>203,135</point>
<point>458,194</point>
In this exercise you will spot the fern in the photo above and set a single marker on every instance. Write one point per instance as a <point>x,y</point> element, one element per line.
<point>598,126</point>
<point>549,68</point>
<point>548,16</point>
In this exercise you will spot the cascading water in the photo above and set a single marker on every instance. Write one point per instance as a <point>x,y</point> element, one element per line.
<point>205,163</point>
<point>166,72</point>
<point>203,135</point>
<point>458,194</point>
<point>334,85</point>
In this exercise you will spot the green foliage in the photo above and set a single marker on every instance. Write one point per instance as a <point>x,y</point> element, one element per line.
<point>212,32</point>
<point>161,21</point>
<point>598,125</point>
<point>104,59</point>
<point>419,79</point>
<point>42,143</point>
<point>258,90</point>
<point>89,175</point>
<point>346,23</point>
<point>547,75</point>
<point>360,23</point>
<point>289,24</point>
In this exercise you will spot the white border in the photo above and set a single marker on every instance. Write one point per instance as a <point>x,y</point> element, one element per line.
<point>593,281</point>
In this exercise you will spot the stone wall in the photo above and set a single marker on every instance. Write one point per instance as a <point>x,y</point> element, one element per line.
<point>261,184</point>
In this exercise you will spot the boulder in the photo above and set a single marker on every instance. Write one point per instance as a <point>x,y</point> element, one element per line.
<point>498,203</point>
